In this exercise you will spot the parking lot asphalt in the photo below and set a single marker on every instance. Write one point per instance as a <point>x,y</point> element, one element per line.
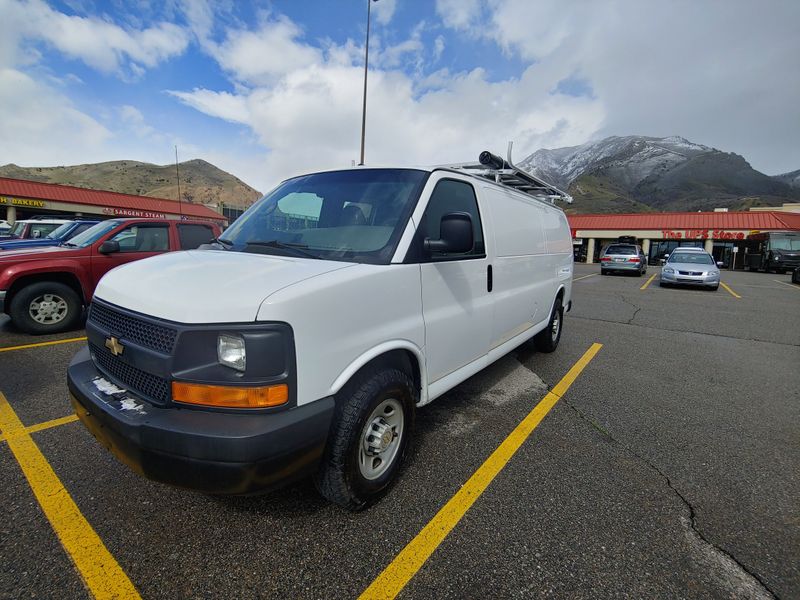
<point>668,469</point>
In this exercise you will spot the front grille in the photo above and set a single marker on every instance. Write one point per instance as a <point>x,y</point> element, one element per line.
<point>695,273</point>
<point>156,337</point>
<point>150,386</point>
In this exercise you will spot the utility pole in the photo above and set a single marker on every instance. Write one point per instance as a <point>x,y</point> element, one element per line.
<point>178,175</point>
<point>366,69</point>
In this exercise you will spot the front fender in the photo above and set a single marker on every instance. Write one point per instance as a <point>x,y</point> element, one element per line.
<point>377,351</point>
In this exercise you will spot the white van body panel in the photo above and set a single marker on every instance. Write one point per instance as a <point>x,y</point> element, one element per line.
<point>205,286</point>
<point>339,317</point>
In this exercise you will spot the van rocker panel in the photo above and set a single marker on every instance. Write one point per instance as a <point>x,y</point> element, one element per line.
<point>206,450</point>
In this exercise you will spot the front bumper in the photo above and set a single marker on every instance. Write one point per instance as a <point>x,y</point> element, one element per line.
<point>206,450</point>
<point>698,280</point>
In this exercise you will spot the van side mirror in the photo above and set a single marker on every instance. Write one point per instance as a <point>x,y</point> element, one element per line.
<point>108,247</point>
<point>455,234</point>
<point>720,263</point>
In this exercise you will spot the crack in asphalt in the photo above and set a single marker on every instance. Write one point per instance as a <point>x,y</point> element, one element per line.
<point>629,303</point>
<point>721,335</point>
<point>691,523</point>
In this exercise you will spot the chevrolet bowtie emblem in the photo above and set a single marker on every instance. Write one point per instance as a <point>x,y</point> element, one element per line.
<point>113,344</point>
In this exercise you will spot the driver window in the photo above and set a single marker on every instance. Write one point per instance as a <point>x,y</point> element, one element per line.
<point>137,238</point>
<point>453,196</point>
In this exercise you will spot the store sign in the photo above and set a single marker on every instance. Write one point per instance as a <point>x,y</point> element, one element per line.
<point>701,234</point>
<point>24,202</point>
<point>130,212</point>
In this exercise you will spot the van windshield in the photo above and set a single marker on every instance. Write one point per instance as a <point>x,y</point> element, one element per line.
<point>355,216</point>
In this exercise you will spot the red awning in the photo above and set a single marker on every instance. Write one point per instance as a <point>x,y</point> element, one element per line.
<point>113,200</point>
<point>746,220</point>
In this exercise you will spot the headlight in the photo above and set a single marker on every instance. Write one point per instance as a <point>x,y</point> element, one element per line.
<point>713,273</point>
<point>230,351</point>
<point>668,270</point>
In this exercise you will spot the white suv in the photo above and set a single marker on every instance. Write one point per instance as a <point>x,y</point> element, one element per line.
<point>302,340</point>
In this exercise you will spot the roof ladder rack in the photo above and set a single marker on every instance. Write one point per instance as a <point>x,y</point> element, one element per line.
<point>503,172</point>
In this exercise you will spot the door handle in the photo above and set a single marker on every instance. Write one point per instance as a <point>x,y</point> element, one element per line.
<point>489,278</point>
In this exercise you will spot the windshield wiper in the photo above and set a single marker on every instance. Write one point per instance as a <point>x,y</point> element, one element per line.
<point>296,248</point>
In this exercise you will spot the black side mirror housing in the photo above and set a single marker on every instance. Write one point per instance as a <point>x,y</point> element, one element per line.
<point>108,247</point>
<point>455,234</point>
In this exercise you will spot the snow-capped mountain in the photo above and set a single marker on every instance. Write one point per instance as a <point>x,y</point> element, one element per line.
<point>632,157</point>
<point>635,173</point>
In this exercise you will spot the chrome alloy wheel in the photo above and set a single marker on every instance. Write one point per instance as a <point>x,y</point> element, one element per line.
<point>48,309</point>
<point>380,439</point>
<point>556,325</point>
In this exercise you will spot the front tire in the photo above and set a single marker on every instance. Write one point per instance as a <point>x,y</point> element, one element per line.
<point>45,307</point>
<point>547,339</point>
<point>369,438</point>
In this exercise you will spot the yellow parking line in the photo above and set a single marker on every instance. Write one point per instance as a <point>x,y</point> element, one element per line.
<point>406,564</point>
<point>100,572</point>
<point>649,281</point>
<point>729,290</point>
<point>47,425</point>
<point>584,277</point>
<point>39,344</point>
<point>791,285</point>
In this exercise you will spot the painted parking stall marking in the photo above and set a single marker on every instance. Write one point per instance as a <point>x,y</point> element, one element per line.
<point>649,281</point>
<point>729,290</point>
<point>406,564</point>
<point>99,570</point>
<point>41,344</point>
<point>584,277</point>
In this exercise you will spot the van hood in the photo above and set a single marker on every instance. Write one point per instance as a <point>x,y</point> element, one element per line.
<point>206,286</point>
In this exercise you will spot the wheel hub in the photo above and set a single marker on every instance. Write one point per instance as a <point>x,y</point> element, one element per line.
<point>379,436</point>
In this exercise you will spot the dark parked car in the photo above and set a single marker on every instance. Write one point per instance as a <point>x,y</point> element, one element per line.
<point>623,258</point>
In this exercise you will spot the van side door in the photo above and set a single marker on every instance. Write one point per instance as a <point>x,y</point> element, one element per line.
<point>456,302</point>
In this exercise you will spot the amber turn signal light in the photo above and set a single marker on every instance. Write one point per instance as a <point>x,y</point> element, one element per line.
<point>225,396</point>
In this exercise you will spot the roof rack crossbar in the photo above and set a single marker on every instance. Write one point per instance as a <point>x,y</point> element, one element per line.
<point>503,172</point>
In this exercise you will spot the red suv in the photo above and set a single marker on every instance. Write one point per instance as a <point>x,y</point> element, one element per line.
<point>44,290</point>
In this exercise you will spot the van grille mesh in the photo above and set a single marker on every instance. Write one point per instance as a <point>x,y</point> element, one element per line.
<point>155,337</point>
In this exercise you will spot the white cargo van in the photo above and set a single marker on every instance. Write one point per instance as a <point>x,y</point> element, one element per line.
<point>301,341</point>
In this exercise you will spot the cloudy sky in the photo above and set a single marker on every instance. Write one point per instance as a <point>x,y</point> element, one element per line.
<point>268,89</point>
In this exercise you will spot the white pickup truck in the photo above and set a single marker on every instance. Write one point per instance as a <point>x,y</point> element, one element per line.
<point>302,340</point>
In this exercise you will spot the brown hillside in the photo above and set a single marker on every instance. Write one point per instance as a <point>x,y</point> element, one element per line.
<point>201,182</point>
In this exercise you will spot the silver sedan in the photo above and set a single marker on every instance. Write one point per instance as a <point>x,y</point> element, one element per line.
<point>691,268</point>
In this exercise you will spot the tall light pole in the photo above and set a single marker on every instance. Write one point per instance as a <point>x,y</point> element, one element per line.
<point>366,67</point>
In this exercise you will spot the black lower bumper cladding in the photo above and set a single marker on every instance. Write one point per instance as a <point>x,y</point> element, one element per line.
<point>206,450</point>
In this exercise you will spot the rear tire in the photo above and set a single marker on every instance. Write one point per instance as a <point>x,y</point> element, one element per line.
<point>45,307</point>
<point>373,422</point>
<point>547,339</point>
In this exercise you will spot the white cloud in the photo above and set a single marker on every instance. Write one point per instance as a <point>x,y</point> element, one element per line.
<point>384,10</point>
<point>100,44</point>
<point>38,125</point>
<point>458,14</point>
<point>722,74</point>
<point>262,56</point>
<point>223,105</point>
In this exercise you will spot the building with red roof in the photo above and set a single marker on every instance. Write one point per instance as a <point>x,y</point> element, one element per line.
<point>27,198</point>
<point>724,234</point>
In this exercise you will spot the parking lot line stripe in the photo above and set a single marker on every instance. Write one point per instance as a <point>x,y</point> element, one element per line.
<point>584,277</point>
<point>791,285</point>
<point>47,425</point>
<point>406,564</point>
<point>39,344</point>
<point>649,281</point>
<point>729,290</point>
<point>101,573</point>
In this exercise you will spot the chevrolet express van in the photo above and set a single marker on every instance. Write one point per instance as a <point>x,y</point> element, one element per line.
<point>301,340</point>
